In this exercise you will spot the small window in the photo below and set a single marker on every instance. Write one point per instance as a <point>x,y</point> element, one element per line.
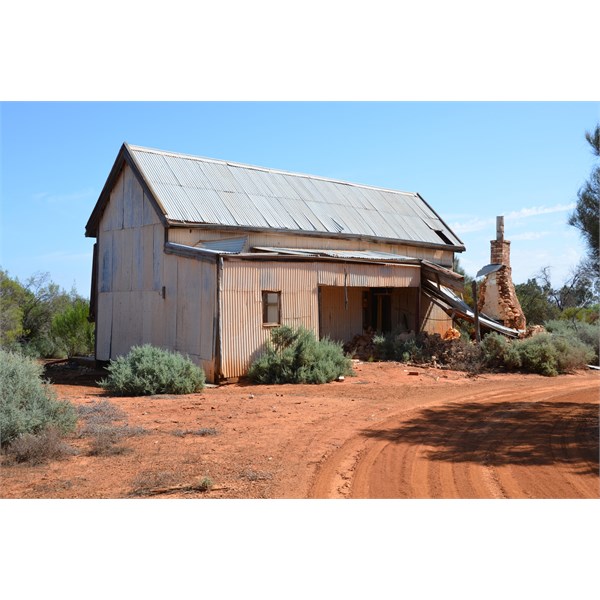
<point>271,308</point>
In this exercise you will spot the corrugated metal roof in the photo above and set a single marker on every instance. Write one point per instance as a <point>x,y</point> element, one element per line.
<point>198,190</point>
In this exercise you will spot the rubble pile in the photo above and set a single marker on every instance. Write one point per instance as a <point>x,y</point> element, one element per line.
<point>532,330</point>
<point>451,334</point>
<point>361,346</point>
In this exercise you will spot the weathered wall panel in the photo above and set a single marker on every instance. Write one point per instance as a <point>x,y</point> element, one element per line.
<point>104,326</point>
<point>282,240</point>
<point>132,270</point>
<point>364,275</point>
<point>149,216</point>
<point>337,322</point>
<point>404,309</point>
<point>113,215</point>
<point>105,257</point>
<point>433,318</point>
<point>243,331</point>
<point>169,316</point>
<point>158,257</point>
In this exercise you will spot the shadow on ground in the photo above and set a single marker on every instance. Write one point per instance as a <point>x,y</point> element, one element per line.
<point>517,433</point>
<point>68,372</point>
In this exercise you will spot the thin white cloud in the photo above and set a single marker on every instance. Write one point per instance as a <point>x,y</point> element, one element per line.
<point>67,197</point>
<point>529,235</point>
<point>539,210</point>
<point>479,224</point>
<point>472,225</point>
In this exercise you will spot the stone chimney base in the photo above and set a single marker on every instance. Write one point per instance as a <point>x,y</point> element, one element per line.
<point>497,298</point>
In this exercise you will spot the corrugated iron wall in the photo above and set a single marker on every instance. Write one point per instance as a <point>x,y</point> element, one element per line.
<point>338,322</point>
<point>365,275</point>
<point>243,333</point>
<point>132,270</point>
<point>241,314</point>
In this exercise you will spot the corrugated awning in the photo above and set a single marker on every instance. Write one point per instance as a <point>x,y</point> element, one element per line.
<point>457,307</point>
<point>369,255</point>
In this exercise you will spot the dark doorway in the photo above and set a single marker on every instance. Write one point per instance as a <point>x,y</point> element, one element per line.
<point>377,310</point>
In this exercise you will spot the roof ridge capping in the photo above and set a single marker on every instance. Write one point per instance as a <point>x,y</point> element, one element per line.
<point>132,147</point>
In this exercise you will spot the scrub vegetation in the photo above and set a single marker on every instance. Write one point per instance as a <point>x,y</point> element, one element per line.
<point>28,405</point>
<point>296,356</point>
<point>564,350</point>
<point>41,320</point>
<point>147,370</point>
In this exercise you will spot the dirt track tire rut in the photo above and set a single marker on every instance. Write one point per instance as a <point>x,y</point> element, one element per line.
<point>532,442</point>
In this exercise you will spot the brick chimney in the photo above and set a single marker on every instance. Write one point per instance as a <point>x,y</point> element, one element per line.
<point>497,296</point>
<point>500,251</point>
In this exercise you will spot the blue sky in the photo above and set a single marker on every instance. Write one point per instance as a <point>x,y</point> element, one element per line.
<point>471,161</point>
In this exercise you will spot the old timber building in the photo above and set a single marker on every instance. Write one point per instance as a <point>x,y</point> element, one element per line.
<point>205,256</point>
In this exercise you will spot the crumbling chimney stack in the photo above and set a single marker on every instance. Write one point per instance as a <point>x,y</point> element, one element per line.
<point>497,296</point>
<point>500,253</point>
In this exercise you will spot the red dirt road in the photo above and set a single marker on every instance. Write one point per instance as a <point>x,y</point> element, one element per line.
<point>538,439</point>
<point>392,431</point>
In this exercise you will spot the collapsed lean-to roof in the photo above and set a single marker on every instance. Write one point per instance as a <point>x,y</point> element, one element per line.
<point>197,192</point>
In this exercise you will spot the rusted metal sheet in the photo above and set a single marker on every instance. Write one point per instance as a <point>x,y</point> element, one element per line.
<point>433,318</point>
<point>365,275</point>
<point>370,255</point>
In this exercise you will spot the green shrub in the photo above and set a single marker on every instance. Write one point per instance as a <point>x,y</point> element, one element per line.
<point>571,353</point>
<point>546,354</point>
<point>399,346</point>
<point>72,331</point>
<point>148,370</point>
<point>28,404</point>
<point>590,315</point>
<point>499,352</point>
<point>296,356</point>
<point>538,355</point>
<point>588,333</point>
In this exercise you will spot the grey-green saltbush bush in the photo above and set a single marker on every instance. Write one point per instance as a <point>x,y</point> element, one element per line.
<point>398,346</point>
<point>546,354</point>
<point>296,356</point>
<point>588,333</point>
<point>27,403</point>
<point>499,352</point>
<point>147,370</point>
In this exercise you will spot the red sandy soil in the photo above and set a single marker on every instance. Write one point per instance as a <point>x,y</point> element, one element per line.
<point>392,431</point>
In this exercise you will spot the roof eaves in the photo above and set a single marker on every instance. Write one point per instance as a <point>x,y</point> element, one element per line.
<point>321,234</point>
<point>442,220</point>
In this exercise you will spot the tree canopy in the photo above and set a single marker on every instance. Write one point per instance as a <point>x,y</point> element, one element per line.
<point>586,216</point>
<point>41,319</point>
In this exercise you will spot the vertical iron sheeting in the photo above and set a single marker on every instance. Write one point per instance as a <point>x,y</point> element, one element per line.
<point>244,281</point>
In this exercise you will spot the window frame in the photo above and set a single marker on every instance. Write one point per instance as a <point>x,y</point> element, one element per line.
<point>265,308</point>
